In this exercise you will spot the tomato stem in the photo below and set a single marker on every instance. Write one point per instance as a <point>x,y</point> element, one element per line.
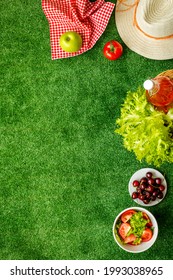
<point>111,47</point>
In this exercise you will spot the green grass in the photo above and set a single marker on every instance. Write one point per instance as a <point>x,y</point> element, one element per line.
<point>64,172</point>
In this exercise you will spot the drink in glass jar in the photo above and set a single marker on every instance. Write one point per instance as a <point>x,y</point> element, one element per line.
<point>159,92</point>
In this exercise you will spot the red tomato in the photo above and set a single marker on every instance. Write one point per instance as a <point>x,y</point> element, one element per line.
<point>127,215</point>
<point>112,50</point>
<point>147,235</point>
<point>130,238</point>
<point>123,230</point>
<point>145,216</point>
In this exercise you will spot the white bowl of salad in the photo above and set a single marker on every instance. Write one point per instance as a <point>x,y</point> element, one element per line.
<point>135,229</point>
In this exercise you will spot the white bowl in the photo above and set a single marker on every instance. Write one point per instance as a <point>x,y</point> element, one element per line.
<point>144,245</point>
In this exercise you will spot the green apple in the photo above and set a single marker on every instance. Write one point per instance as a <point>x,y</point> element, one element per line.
<point>70,41</point>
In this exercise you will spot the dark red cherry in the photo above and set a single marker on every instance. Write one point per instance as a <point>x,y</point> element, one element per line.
<point>134,195</point>
<point>149,174</point>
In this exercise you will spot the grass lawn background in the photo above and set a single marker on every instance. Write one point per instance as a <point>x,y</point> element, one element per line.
<point>64,172</point>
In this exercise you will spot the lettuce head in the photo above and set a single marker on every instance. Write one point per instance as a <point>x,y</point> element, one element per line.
<point>146,131</point>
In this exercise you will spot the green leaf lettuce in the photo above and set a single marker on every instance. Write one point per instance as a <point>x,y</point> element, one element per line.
<point>146,131</point>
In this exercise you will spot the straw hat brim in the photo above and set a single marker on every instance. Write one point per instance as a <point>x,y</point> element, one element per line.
<point>138,41</point>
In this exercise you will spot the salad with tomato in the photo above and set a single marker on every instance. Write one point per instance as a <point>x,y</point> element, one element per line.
<point>133,227</point>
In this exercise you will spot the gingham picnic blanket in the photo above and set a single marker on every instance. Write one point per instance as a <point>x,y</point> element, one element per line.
<point>89,19</point>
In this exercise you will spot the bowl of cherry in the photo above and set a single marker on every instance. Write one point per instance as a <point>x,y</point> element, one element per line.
<point>147,187</point>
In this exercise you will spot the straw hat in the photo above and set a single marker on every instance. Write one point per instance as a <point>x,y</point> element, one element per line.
<point>146,27</point>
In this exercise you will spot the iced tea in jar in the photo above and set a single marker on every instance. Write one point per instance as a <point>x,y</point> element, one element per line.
<point>159,92</point>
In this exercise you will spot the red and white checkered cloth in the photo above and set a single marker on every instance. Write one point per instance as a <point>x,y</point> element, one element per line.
<point>89,19</point>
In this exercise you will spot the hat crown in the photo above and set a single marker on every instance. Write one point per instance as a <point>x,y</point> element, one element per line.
<point>155,17</point>
<point>146,27</point>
